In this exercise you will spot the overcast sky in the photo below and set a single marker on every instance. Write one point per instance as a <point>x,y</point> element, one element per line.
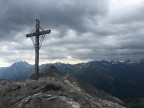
<point>82,30</point>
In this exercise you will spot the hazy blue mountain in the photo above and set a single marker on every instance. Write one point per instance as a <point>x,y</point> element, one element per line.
<point>121,79</point>
<point>17,71</point>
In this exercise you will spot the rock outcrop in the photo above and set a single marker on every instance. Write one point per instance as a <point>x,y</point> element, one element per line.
<point>54,90</point>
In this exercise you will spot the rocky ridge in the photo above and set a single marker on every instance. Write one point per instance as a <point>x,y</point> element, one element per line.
<point>54,90</point>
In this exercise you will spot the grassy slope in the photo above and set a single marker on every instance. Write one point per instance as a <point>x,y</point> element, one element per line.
<point>135,103</point>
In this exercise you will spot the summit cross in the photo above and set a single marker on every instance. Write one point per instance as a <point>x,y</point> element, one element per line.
<point>37,33</point>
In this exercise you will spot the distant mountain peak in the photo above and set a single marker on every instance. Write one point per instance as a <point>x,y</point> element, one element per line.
<point>20,63</point>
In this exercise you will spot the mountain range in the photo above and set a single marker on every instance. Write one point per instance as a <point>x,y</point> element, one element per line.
<point>123,79</point>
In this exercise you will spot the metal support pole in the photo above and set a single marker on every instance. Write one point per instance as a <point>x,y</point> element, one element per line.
<point>37,49</point>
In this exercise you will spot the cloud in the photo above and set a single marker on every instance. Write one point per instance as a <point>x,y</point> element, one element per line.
<point>61,15</point>
<point>81,30</point>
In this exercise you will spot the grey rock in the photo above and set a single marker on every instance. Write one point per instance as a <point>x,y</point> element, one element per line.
<point>54,90</point>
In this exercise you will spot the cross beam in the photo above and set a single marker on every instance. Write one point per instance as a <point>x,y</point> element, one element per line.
<point>36,34</point>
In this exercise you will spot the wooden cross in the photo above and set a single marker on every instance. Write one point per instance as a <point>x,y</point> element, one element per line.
<point>37,35</point>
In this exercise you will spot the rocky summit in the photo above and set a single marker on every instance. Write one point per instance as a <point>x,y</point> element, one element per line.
<point>54,90</point>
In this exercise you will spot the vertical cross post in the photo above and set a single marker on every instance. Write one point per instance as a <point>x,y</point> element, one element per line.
<point>37,34</point>
<point>37,49</point>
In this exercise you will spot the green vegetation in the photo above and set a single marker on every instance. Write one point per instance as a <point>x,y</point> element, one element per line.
<point>134,103</point>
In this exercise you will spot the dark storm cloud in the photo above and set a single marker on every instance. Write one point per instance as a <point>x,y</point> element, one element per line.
<point>17,15</point>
